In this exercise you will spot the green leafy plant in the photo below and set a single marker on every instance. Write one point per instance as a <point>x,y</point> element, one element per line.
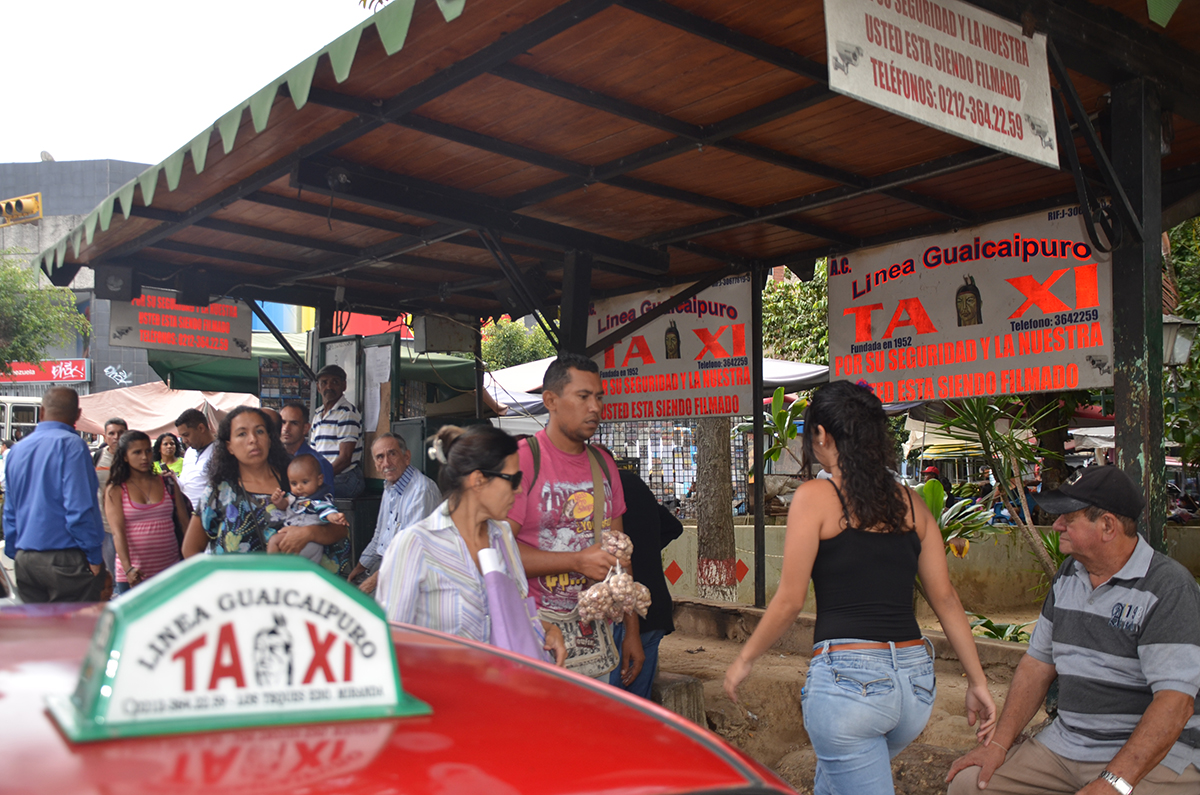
<point>33,316</point>
<point>779,425</point>
<point>1057,556</point>
<point>795,317</point>
<point>961,523</point>
<point>990,629</point>
<point>1003,427</point>
<point>507,343</point>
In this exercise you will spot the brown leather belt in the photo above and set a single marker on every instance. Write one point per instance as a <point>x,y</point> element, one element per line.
<point>904,644</point>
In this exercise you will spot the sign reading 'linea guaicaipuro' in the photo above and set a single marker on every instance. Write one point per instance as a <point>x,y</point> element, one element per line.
<point>156,321</point>
<point>690,362</point>
<point>233,641</point>
<point>947,64</point>
<point>1012,307</point>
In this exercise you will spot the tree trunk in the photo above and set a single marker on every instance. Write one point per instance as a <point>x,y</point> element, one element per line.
<point>716,550</point>
<point>1052,436</point>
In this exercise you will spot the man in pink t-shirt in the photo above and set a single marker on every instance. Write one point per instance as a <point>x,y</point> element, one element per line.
<point>552,516</point>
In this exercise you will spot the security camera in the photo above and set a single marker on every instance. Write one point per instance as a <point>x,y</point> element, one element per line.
<point>848,55</point>
<point>1041,129</point>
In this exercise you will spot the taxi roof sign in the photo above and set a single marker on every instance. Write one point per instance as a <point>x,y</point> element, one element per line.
<point>235,641</point>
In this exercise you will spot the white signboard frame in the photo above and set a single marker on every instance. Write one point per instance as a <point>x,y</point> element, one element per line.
<point>691,362</point>
<point>1011,307</point>
<point>949,65</point>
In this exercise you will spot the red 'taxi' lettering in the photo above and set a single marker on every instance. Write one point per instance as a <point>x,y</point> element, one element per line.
<point>1039,294</point>
<point>230,668</point>
<point>188,655</point>
<point>320,658</point>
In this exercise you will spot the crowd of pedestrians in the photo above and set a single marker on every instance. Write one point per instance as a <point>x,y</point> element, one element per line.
<point>536,515</point>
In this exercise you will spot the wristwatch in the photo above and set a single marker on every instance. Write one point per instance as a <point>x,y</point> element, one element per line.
<point>1119,784</point>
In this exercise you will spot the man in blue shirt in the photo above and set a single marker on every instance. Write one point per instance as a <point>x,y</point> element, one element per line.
<point>293,432</point>
<point>408,497</point>
<point>51,518</point>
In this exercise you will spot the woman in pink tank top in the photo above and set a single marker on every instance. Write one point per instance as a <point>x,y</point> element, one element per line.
<point>141,507</point>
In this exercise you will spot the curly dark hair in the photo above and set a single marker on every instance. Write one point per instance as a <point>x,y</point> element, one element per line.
<point>854,417</point>
<point>120,471</point>
<point>158,446</point>
<point>225,468</point>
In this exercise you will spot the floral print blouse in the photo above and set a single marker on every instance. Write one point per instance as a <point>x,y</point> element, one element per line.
<point>237,521</point>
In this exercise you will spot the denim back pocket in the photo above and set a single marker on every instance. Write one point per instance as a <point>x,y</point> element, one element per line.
<point>924,683</point>
<point>855,680</point>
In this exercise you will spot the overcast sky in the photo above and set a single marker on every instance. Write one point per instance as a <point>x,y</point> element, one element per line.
<point>137,79</point>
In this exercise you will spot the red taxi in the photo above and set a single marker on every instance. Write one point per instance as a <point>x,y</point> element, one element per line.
<point>499,723</point>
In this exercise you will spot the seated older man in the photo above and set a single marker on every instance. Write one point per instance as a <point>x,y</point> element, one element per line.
<point>408,497</point>
<point>1120,630</point>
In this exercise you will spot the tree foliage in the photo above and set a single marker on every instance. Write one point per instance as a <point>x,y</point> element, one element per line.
<point>1183,413</point>
<point>508,343</point>
<point>32,317</point>
<point>795,322</point>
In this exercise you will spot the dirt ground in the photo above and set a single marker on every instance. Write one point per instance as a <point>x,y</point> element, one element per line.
<point>766,723</point>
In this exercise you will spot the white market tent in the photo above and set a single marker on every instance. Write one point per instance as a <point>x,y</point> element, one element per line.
<point>153,407</point>
<point>1094,438</point>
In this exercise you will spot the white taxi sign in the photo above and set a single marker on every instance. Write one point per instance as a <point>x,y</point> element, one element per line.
<point>234,641</point>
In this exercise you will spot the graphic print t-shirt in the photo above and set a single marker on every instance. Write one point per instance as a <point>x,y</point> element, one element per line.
<point>555,514</point>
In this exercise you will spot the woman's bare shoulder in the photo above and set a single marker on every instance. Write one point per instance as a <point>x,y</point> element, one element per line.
<point>817,499</point>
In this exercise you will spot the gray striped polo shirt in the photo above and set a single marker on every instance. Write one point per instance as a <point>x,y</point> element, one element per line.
<point>1114,647</point>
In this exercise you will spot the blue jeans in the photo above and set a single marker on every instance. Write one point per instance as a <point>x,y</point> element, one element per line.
<point>645,680</point>
<point>860,709</point>
<point>108,551</point>
<point>349,484</point>
<point>120,587</point>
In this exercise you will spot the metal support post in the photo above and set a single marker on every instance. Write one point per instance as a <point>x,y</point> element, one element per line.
<point>282,340</point>
<point>757,282</point>
<point>1137,302</point>
<point>576,295</point>
<point>478,371</point>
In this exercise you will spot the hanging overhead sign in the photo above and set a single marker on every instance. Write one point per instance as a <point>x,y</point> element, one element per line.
<point>947,64</point>
<point>1008,308</point>
<point>49,371</point>
<point>690,362</point>
<point>234,641</point>
<point>156,321</point>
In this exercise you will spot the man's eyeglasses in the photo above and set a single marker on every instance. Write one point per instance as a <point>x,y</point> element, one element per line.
<point>514,479</point>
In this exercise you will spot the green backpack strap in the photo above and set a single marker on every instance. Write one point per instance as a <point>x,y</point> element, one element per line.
<point>535,450</point>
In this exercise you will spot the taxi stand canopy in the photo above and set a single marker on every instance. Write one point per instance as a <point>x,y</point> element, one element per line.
<point>506,156</point>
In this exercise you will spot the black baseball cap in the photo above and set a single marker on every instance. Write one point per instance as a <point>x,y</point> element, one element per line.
<point>1105,487</point>
<point>332,369</point>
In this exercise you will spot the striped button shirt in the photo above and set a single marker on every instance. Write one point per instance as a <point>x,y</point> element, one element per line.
<point>1114,647</point>
<point>407,501</point>
<point>429,579</point>
<point>342,423</point>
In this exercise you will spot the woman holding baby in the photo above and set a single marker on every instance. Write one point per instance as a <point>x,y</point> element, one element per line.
<point>236,514</point>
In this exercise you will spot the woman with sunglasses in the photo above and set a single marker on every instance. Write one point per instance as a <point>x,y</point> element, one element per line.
<point>430,574</point>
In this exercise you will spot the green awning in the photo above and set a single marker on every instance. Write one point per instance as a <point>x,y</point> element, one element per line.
<point>220,374</point>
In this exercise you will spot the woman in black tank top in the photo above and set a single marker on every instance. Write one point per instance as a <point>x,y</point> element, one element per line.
<point>863,539</point>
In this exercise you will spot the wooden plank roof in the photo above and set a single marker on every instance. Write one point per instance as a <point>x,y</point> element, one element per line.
<point>668,139</point>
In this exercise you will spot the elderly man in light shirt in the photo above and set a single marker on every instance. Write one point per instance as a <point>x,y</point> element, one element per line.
<point>408,497</point>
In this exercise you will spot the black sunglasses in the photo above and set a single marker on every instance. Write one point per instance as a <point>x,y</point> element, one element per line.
<point>514,479</point>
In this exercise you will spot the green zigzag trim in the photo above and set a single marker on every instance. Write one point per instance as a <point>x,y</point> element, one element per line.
<point>391,24</point>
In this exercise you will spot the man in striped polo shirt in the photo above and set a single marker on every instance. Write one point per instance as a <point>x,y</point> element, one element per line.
<point>1120,629</point>
<point>337,432</point>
